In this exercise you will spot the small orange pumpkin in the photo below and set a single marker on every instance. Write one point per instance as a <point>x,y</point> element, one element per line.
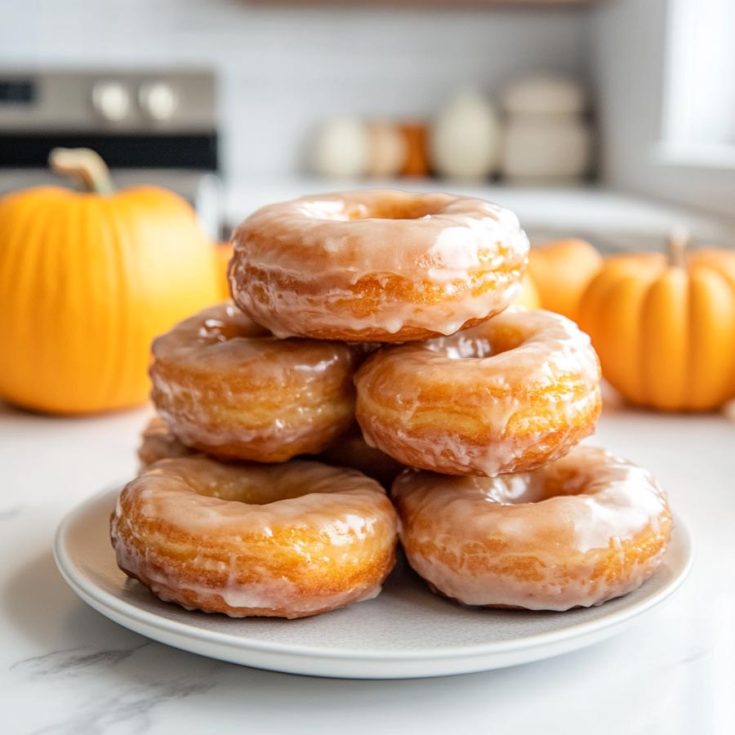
<point>561,270</point>
<point>664,328</point>
<point>224,253</point>
<point>87,280</point>
<point>528,296</point>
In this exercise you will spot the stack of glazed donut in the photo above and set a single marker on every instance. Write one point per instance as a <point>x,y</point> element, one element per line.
<point>370,347</point>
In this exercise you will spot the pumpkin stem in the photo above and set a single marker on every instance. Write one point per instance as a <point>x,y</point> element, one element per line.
<point>676,247</point>
<point>84,165</point>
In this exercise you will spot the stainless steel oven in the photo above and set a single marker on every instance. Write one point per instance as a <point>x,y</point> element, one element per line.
<point>152,126</point>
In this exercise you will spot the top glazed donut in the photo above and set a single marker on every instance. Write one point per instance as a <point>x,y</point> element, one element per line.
<point>376,266</point>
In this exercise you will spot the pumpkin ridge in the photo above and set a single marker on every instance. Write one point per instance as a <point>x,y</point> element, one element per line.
<point>66,344</point>
<point>32,248</point>
<point>715,327</point>
<point>63,354</point>
<point>100,282</point>
<point>641,346</point>
<point>665,324</point>
<point>621,317</point>
<point>122,239</point>
<point>593,310</point>
<point>17,236</point>
<point>724,264</point>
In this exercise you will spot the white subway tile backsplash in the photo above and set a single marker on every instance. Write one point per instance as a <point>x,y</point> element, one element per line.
<point>284,69</point>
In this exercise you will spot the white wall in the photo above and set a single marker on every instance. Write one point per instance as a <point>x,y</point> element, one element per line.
<point>283,69</point>
<point>629,46</point>
<point>701,61</point>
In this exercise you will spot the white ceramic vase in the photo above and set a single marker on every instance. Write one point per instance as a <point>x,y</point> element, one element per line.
<point>546,138</point>
<point>341,149</point>
<point>465,137</point>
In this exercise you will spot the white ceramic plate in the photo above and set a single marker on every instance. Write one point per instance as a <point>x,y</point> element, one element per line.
<point>406,632</point>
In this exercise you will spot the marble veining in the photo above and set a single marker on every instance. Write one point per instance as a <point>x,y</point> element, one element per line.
<point>132,707</point>
<point>7,514</point>
<point>74,660</point>
<point>128,704</point>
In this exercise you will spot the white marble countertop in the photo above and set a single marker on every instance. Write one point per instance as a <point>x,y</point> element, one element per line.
<point>609,219</point>
<point>66,669</point>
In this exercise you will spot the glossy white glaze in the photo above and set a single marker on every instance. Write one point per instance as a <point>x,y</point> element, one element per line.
<point>324,245</point>
<point>230,521</point>
<point>535,540</point>
<point>222,339</point>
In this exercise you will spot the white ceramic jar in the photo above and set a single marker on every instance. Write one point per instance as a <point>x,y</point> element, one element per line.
<point>464,139</point>
<point>341,149</point>
<point>547,138</point>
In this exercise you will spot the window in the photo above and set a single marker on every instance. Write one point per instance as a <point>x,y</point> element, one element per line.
<point>699,110</point>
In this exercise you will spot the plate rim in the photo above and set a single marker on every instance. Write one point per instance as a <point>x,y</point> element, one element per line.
<point>90,592</point>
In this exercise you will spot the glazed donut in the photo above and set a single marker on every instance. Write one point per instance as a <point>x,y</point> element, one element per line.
<point>580,531</point>
<point>227,387</point>
<point>376,266</point>
<point>507,396</point>
<point>157,442</point>
<point>287,540</point>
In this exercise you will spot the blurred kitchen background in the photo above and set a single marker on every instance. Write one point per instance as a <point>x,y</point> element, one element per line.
<point>610,120</point>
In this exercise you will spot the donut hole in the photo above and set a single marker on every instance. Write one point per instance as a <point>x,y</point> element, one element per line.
<point>470,348</point>
<point>560,481</point>
<point>231,325</point>
<point>254,490</point>
<point>392,208</point>
<point>260,485</point>
<point>475,344</point>
<point>535,487</point>
<point>528,487</point>
<point>219,331</point>
<point>402,209</point>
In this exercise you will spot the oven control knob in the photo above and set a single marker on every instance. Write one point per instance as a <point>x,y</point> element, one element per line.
<point>158,100</point>
<point>111,100</point>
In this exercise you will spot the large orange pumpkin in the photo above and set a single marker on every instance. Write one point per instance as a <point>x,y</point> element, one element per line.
<point>664,327</point>
<point>561,270</point>
<point>87,280</point>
